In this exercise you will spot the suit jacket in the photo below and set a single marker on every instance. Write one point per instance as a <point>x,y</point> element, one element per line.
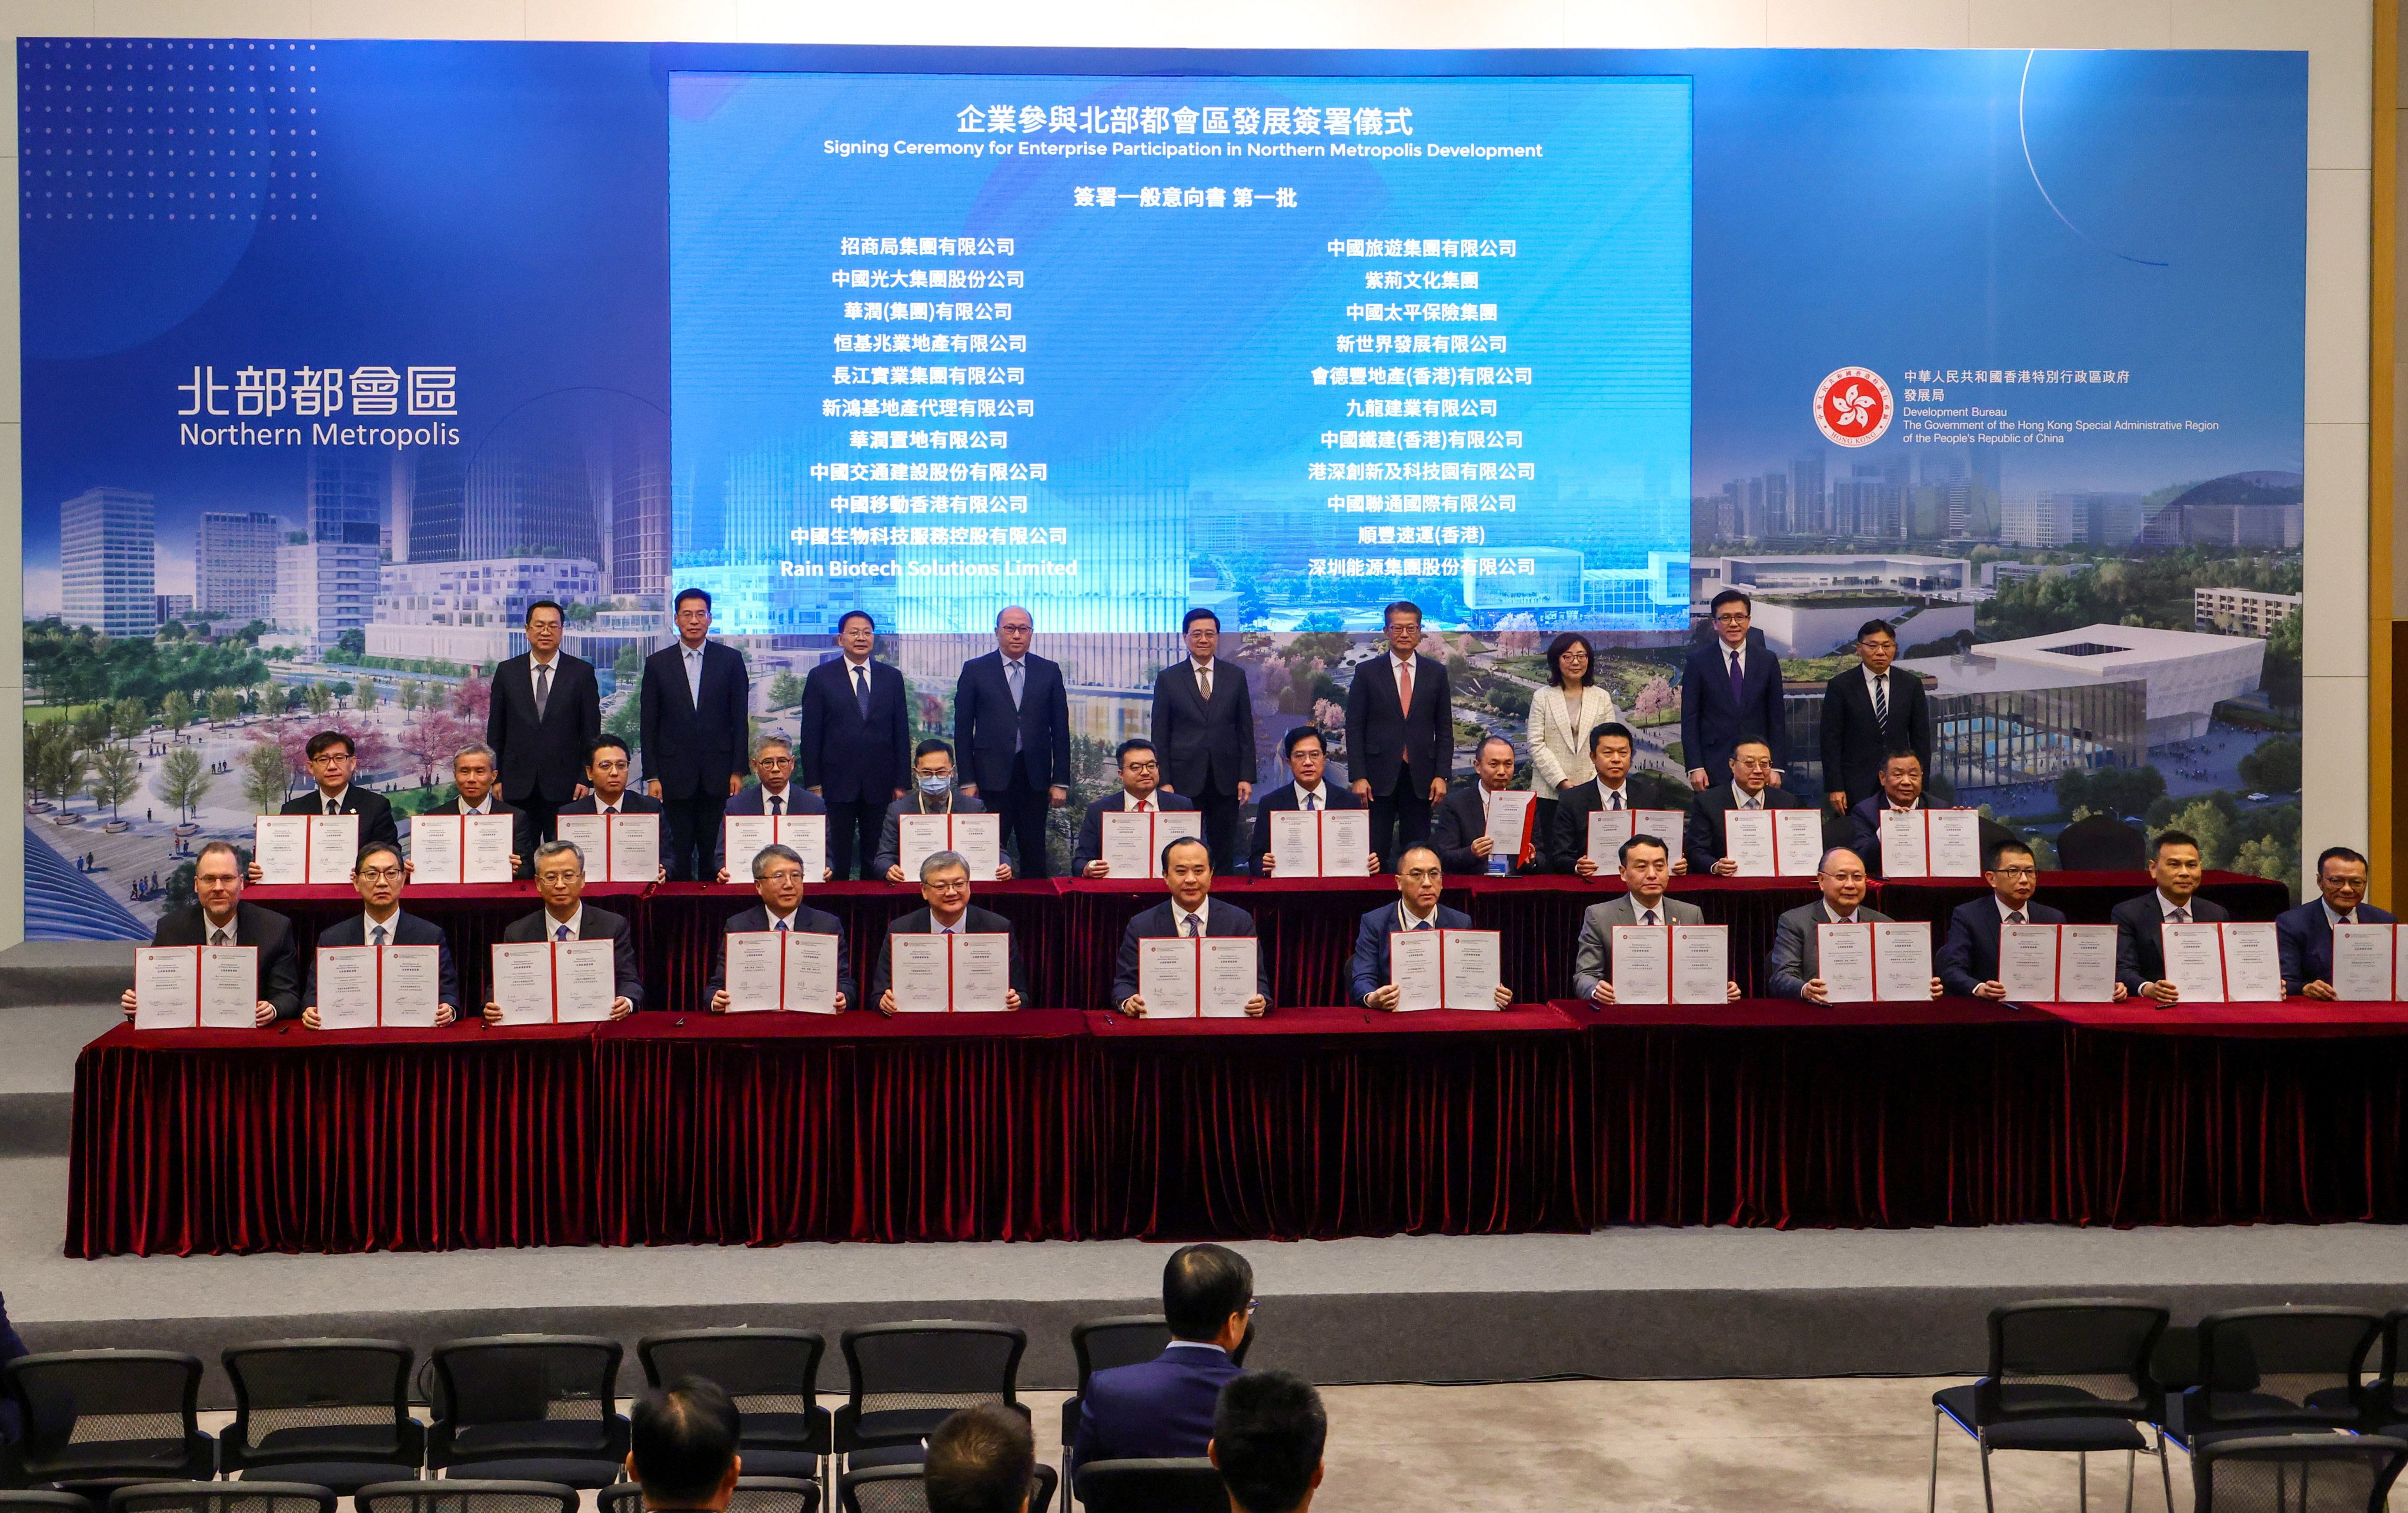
<point>890,832</point>
<point>1159,1408</point>
<point>1864,820</point>
<point>986,726</point>
<point>1462,818</point>
<point>542,757</point>
<point>1593,958</point>
<point>2303,940</point>
<point>1559,752</point>
<point>523,831</point>
<point>1091,826</point>
<point>1383,737</point>
<point>848,758</point>
<point>1161,922</point>
<point>1281,799</point>
<point>1567,840</point>
<point>630,801</point>
<point>806,919</point>
<point>1368,972</point>
<point>374,809</point>
<point>1796,956</point>
<point>754,800</point>
<point>1712,721</point>
<point>2140,948</point>
<point>1969,956</point>
<point>975,921</point>
<point>1702,836</point>
<point>280,971</point>
<point>407,930</point>
<point>597,925</point>
<point>1204,750</point>
<point>695,745</point>
<point>1854,745</point>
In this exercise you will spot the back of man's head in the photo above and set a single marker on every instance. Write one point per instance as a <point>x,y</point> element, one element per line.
<point>682,1444</point>
<point>1267,1439</point>
<point>1202,1285</point>
<point>981,1460</point>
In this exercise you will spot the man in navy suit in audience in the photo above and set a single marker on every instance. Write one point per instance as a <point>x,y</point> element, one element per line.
<point>2303,935</point>
<point>2139,922</point>
<point>778,876</point>
<point>1969,957</point>
<point>1901,790</point>
<point>1011,724</point>
<point>856,747</point>
<point>1730,687</point>
<point>378,877</point>
<point>1163,1409</point>
<point>775,794</point>
<point>1419,878</point>
<point>1191,911</point>
<point>1141,769</point>
<point>1307,759</point>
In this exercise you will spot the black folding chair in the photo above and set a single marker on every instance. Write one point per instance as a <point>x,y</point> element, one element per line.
<point>329,1412</point>
<point>2101,843</point>
<point>1166,1486</point>
<point>98,1420</point>
<point>2269,1370</point>
<point>898,1489</point>
<point>43,1502</point>
<point>2310,1472</point>
<point>222,1497</point>
<point>754,1494</point>
<point>773,1377</point>
<point>461,1494</point>
<point>530,1408</point>
<point>907,1378</point>
<point>2068,1374</point>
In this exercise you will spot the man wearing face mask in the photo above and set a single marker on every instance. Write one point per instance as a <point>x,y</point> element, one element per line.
<point>932,774</point>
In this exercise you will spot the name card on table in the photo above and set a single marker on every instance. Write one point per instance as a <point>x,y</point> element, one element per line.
<point>1209,978</point>
<point>958,974</point>
<point>745,837</point>
<point>1931,843</point>
<point>976,837</point>
<point>1445,968</point>
<point>305,848</point>
<point>1132,842</point>
<point>780,971</point>
<point>460,848</point>
<point>195,987</point>
<point>617,847</point>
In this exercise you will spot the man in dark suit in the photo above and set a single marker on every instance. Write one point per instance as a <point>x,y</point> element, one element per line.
<point>697,699</point>
<point>1400,735</point>
<point>1204,729</point>
<point>778,877</point>
<point>1011,724</point>
<point>219,917</point>
<point>1750,788</point>
<point>545,710</point>
<point>560,881</point>
<point>607,767</point>
<point>932,793</point>
<point>1870,711</point>
<point>1140,793</point>
<point>775,796</point>
<point>1419,878</point>
<point>331,764</point>
<point>1162,1408</point>
<point>1969,957</point>
<point>945,885</point>
<point>1730,687</point>
<point>1267,1438</point>
<point>1191,911</point>
<point>1901,790</point>
<point>2304,936</point>
<point>1794,967</point>
<point>1461,836</point>
<point>1308,762</point>
<point>1610,748</point>
<point>472,774</point>
<point>681,1444</point>
<point>378,877</point>
<point>2139,940</point>
<point>855,746</point>
<point>981,1458</point>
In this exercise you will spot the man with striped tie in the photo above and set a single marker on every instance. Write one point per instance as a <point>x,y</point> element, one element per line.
<point>1191,912</point>
<point>1869,712</point>
<point>560,880</point>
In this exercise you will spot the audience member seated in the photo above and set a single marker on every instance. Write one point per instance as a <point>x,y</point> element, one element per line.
<point>1608,753</point>
<point>1419,878</point>
<point>377,876</point>
<point>682,1442</point>
<point>1141,773</point>
<point>1751,788</point>
<point>1794,968</point>
<point>2140,946</point>
<point>981,1460</point>
<point>1901,791</point>
<point>2303,935</point>
<point>945,884</point>
<point>932,792</point>
<point>778,877</point>
<point>775,796</point>
<point>1646,867</point>
<point>607,768</point>
<point>1459,830</point>
<point>1267,1442</point>
<point>1308,759</point>
<point>1191,911</point>
<point>560,880</point>
<point>1162,1408</point>
<point>219,917</point>
<point>1969,957</point>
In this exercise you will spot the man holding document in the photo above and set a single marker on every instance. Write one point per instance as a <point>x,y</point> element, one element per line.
<point>1796,966</point>
<point>1488,826</point>
<point>1212,987</point>
<point>778,876</point>
<point>1140,774</point>
<point>2304,936</point>
<point>1750,788</point>
<point>472,773</point>
<point>2139,922</point>
<point>932,795</point>
<point>1646,868</point>
<point>401,994</point>
<point>1419,878</point>
<point>945,884</point>
<point>560,878</point>
<point>1969,960</point>
<point>1608,792</point>
<point>1901,792</point>
<point>1308,761</point>
<point>607,768</point>
<point>219,917</point>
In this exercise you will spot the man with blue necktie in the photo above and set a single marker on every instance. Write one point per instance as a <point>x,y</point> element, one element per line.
<point>856,743</point>
<point>1419,878</point>
<point>376,876</point>
<point>774,796</point>
<point>694,707</point>
<point>778,877</point>
<point>1011,724</point>
<point>560,880</point>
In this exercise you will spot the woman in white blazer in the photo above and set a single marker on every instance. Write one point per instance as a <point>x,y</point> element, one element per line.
<point>1561,716</point>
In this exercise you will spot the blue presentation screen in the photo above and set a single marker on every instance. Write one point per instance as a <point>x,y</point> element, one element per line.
<point>944,343</point>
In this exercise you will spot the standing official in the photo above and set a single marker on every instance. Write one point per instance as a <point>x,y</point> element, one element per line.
<point>695,702</point>
<point>1869,712</point>
<point>545,711</point>
<point>1204,730</point>
<point>1011,724</point>
<point>1729,689</point>
<point>1400,735</point>
<point>856,747</point>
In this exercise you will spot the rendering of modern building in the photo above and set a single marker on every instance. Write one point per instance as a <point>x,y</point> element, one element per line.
<point>2185,674</point>
<point>105,567</point>
<point>471,612</point>
<point>2245,611</point>
<point>233,565</point>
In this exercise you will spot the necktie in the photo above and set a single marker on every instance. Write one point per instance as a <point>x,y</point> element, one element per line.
<point>777,805</point>
<point>781,925</point>
<point>379,934</point>
<point>1405,686</point>
<point>1311,802</point>
<point>542,687</point>
<point>1617,800</point>
<point>609,808</point>
<point>1752,803</point>
<point>1013,673</point>
<point>333,807</point>
<point>694,678</point>
<point>861,690</point>
<point>1192,929</point>
<point>560,933</point>
<point>1880,701</point>
<point>1145,806</point>
<point>1737,677</point>
<point>2015,915</point>
<point>219,939</point>
<point>946,929</point>
<point>2181,917</point>
<point>1423,925</point>
<point>1204,681</point>
<point>2348,918</point>
<point>1649,918</point>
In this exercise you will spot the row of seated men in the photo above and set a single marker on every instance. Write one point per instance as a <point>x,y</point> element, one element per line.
<point>1966,961</point>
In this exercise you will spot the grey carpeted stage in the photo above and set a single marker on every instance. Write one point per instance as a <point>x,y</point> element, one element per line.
<point>1633,1303</point>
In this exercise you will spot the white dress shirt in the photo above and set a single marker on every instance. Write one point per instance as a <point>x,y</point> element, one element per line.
<point>370,925</point>
<point>575,923</point>
<point>1318,792</point>
<point>1741,799</point>
<point>337,798</point>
